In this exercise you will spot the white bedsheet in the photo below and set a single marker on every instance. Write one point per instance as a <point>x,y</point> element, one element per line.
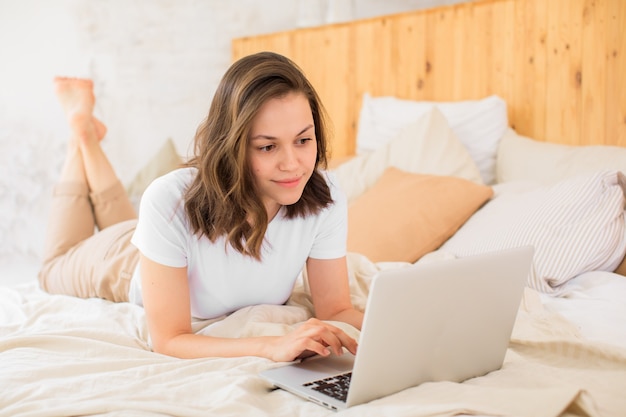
<point>65,356</point>
<point>595,303</point>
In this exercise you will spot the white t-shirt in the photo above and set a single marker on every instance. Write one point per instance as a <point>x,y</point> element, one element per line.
<point>222,280</point>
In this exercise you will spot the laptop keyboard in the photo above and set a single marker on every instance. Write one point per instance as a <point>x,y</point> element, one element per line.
<point>334,386</point>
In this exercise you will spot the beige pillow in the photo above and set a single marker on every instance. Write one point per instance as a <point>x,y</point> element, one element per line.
<point>526,159</point>
<point>165,160</point>
<point>427,146</point>
<point>404,215</point>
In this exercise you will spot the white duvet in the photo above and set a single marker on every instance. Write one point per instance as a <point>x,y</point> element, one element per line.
<point>63,356</point>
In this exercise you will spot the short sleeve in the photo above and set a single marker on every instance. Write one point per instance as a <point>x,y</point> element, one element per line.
<point>331,237</point>
<point>162,229</point>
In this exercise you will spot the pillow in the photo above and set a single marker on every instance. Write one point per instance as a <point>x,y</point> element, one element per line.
<point>165,160</point>
<point>478,124</point>
<point>576,225</point>
<point>404,215</point>
<point>426,146</point>
<point>522,158</point>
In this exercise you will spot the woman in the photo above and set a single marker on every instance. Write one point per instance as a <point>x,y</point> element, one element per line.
<point>231,229</point>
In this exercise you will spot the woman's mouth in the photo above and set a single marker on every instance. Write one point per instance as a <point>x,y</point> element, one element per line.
<point>289,183</point>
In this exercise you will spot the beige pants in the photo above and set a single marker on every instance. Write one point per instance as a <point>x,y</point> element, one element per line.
<point>78,260</point>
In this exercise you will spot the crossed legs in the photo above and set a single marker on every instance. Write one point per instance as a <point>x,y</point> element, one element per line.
<point>77,261</point>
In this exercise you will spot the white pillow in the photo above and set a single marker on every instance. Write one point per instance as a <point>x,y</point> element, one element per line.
<point>576,226</point>
<point>522,158</point>
<point>479,125</point>
<point>425,146</point>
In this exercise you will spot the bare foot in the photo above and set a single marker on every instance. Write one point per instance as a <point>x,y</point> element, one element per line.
<point>77,100</point>
<point>75,95</point>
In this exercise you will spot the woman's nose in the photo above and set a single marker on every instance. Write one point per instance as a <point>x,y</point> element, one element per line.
<point>288,159</point>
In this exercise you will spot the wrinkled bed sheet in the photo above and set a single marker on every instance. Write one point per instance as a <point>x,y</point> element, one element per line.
<point>65,356</point>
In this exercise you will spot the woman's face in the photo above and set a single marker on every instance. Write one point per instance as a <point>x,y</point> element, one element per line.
<point>282,150</point>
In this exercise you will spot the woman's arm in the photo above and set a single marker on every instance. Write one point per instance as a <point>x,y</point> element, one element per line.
<point>167,305</point>
<point>330,291</point>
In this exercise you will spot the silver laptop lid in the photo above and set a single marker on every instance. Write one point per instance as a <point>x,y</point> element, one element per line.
<point>443,320</point>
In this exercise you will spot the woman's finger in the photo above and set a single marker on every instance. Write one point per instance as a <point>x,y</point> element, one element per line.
<point>334,338</point>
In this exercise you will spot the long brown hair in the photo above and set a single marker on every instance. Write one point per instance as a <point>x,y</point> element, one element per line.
<point>222,199</point>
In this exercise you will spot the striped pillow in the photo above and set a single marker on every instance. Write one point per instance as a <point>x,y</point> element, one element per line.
<point>576,225</point>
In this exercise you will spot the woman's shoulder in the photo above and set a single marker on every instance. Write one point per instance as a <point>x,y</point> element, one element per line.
<point>174,183</point>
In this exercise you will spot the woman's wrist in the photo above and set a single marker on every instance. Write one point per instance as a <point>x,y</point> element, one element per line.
<point>350,316</point>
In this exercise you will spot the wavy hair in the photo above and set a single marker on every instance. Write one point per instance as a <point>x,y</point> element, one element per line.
<point>222,199</point>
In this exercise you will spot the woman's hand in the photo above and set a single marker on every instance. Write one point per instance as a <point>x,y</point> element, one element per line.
<point>311,337</point>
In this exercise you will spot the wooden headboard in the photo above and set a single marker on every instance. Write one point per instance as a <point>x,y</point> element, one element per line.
<point>559,64</point>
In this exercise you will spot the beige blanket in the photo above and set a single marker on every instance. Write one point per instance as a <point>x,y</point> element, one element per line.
<point>62,356</point>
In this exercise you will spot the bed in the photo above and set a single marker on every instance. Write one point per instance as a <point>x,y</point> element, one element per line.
<point>460,129</point>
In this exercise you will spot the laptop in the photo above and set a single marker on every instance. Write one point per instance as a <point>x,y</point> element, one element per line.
<point>447,320</point>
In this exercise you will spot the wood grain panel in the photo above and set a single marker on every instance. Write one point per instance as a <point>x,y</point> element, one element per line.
<point>615,108</point>
<point>409,40</point>
<point>593,69</point>
<point>500,62</point>
<point>531,65</point>
<point>564,92</point>
<point>559,64</point>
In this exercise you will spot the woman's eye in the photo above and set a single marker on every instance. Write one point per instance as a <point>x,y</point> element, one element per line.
<point>303,140</point>
<point>266,148</point>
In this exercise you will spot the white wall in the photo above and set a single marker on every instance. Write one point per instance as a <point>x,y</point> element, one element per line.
<point>155,64</point>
